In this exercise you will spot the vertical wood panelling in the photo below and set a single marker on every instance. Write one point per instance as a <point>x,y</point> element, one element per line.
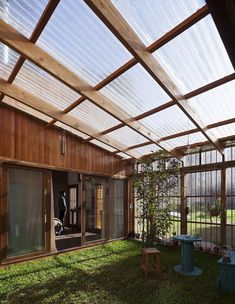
<point>26,139</point>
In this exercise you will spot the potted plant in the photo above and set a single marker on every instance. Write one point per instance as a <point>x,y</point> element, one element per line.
<point>155,184</point>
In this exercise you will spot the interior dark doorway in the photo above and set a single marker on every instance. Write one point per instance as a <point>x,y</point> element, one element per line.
<point>69,234</point>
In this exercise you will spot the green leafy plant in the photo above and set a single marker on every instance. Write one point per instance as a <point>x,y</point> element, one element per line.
<point>155,182</point>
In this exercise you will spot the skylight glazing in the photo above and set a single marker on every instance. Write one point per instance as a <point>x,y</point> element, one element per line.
<point>135,91</point>
<point>126,136</point>
<point>215,105</point>
<point>23,15</point>
<point>185,140</point>
<point>90,114</point>
<point>43,85</point>
<point>78,39</point>
<point>123,155</point>
<point>224,131</point>
<point>146,149</point>
<point>196,57</point>
<point>169,121</point>
<point>8,59</point>
<point>151,19</point>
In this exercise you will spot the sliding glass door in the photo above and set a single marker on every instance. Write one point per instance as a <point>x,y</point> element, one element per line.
<point>26,231</point>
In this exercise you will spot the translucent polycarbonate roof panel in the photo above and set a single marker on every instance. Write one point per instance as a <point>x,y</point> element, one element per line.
<point>196,57</point>
<point>8,59</point>
<point>94,116</point>
<point>23,15</point>
<point>146,149</point>
<point>151,19</point>
<point>78,39</point>
<point>102,145</point>
<point>224,131</point>
<point>168,121</point>
<point>217,104</point>
<point>126,136</point>
<point>125,156</point>
<point>20,106</point>
<point>135,91</point>
<point>72,130</point>
<point>43,85</point>
<point>185,140</point>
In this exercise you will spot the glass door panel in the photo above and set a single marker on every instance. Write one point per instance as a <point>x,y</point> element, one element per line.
<point>116,209</point>
<point>95,208</point>
<point>26,233</point>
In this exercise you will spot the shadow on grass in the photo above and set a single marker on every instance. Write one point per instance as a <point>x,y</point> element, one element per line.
<point>57,263</point>
<point>118,278</point>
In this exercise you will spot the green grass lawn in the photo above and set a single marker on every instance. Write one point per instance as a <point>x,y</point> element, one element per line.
<point>110,274</point>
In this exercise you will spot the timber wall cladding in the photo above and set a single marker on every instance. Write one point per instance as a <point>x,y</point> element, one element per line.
<point>23,138</point>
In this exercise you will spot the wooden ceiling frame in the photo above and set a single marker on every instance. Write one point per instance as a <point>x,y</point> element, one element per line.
<point>42,22</point>
<point>116,23</point>
<point>37,103</point>
<point>171,103</point>
<point>13,39</point>
<point>177,30</point>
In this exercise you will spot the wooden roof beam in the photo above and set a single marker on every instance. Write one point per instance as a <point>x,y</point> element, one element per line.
<point>22,45</point>
<point>46,108</point>
<point>42,22</point>
<point>111,17</point>
<point>180,28</point>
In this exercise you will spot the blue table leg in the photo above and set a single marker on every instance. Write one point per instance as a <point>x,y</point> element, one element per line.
<point>187,256</point>
<point>187,260</point>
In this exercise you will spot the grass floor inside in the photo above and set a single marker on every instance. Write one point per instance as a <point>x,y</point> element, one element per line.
<point>111,274</point>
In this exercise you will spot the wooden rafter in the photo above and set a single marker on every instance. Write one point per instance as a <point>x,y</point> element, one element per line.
<point>22,45</point>
<point>110,16</point>
<point>181,27</point>
<point>46,108</point>
<point>46,15</point>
